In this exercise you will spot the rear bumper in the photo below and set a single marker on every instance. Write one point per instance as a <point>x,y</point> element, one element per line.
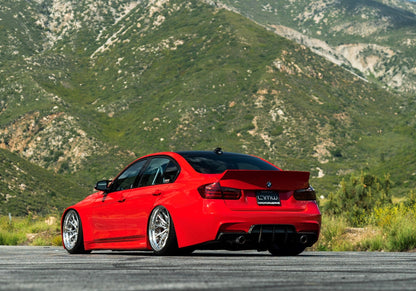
<point>262,237</point>
<point>216,223</point>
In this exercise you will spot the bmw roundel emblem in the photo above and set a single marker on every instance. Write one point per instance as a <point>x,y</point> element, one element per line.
<point>269,184</point>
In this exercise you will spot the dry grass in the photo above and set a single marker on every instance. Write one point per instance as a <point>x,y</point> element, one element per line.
<point>38,231</point>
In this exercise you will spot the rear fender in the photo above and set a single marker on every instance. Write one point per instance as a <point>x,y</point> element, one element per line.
<point>192,226</point>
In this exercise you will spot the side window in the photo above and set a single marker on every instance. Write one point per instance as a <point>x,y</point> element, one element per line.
<point>159,171</point>
<point>127,178</point>
<point>171,172</point>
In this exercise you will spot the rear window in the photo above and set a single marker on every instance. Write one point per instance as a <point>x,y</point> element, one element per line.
<point>212,163</point>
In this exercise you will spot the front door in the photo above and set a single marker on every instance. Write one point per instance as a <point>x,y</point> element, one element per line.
<point>108,217</point>
<point>120,217</point>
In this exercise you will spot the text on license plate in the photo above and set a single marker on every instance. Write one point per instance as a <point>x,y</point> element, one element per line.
<point>267,197</point>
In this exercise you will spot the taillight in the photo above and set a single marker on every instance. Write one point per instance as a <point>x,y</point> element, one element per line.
<point>215,191</point>
<point>305,194</point>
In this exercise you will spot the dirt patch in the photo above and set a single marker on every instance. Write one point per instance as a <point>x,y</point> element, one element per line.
<point>355,235</point>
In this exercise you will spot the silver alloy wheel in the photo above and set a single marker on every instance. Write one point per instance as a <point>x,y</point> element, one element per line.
<point>71,228</point>
<point>159,228</point>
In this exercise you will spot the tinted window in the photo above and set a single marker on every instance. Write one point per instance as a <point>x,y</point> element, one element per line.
<point>212,163</point>
<point>159,171</point>
<point>128,177</point>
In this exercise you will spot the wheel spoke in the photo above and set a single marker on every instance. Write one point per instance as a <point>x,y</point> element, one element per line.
<point>162,233</point>
<point>162,219</point>
<point>74,224</point>
<point>159,228</point>
<point>70,230</point>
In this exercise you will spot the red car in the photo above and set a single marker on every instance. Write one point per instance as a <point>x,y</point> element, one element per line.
<point>176,202</point>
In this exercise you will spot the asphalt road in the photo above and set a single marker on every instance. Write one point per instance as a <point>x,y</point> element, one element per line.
<point>51,268</point>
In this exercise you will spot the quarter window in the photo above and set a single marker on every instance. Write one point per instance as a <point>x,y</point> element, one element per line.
<point>159,171</point>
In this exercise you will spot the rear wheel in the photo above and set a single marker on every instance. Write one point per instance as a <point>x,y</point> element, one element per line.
<point>286,250</point>
<point>72,233</point>
<point>161,232</point>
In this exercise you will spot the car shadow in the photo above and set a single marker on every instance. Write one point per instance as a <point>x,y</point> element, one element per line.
<point>200,253</point>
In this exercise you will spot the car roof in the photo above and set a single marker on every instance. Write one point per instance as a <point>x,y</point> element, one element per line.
<point>208,153</point>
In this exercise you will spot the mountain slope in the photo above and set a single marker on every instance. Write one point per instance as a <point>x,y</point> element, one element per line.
<point>26,188</point>
<point>376,38</point>
<point>117,80</point>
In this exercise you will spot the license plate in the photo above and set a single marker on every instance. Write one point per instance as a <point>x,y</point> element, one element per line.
<point>268,198</point>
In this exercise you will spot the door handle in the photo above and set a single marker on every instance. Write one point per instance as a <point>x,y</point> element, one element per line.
<point>122,200</point>
<point>157,193</point>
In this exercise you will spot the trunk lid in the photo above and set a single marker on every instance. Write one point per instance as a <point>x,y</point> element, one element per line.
<point>265,190</point>
<point>259,180</point>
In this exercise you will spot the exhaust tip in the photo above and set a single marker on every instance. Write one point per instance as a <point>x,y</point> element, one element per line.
<point>240,240</point>
<point>303,239</point>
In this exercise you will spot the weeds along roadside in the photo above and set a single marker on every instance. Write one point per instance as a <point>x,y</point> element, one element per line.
<point>388,228</point>
<point>362,216</point>
<point>30,230</point>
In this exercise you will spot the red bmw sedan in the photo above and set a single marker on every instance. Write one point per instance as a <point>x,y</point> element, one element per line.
<point>177,202</point>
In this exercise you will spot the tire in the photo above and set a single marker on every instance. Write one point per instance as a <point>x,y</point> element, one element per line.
<point>287,250</point>
<point>72,236</point>
<point>161,232</point>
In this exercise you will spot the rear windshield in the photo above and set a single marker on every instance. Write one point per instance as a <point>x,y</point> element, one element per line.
<point>212,163</point>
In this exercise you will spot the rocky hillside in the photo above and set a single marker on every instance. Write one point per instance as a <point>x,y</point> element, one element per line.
<point>376,39</point>
<point>87,86</point>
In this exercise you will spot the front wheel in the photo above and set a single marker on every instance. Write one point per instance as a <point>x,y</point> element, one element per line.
<point>161,232</point>
<point>72,233</point>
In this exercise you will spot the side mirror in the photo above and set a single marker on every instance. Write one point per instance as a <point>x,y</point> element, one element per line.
<point>102,185</point>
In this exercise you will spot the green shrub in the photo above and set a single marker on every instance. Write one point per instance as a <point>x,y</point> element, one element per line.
<point>357,197</point>
<point>57,240</point>
<point>402,237</point>
<point>11,239</point>
<point>375,243</point>
<point>391,227</point>
<point>398,225</point>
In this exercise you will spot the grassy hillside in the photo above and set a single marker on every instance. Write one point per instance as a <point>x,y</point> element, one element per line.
<point>26,188</point>
<point>116,82</point>
<point>375,38</point>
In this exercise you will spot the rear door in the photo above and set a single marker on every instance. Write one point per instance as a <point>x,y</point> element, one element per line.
<point>154,182</point>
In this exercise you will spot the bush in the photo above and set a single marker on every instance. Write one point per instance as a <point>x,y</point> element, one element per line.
<point>11,239</point>
<point>375,243</point>
<point>383,226</point>
<point>57,240</point>
<point>398,224</point>
<point>357,197</point>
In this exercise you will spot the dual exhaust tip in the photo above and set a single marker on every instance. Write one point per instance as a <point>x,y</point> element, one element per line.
<point>303,239</point>
<point>241,240</point>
